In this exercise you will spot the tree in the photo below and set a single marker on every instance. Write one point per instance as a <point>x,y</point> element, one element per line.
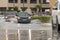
<point>23,8</point>
<point>15,8</point>
<point>11,9</point>
<point>39,7</point>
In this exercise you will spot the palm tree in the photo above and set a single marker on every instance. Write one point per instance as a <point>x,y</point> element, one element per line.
<point>39,7</point>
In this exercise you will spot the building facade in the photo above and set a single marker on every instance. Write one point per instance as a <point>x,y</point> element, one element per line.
<point>27,3</point>
<point>31,4</point>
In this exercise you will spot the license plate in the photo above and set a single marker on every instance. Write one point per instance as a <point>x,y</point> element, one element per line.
<point>24,19</point>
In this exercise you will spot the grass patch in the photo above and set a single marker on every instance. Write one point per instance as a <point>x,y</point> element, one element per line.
<point>43,19</point>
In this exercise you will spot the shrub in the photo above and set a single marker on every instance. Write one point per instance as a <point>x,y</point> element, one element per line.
<point>35,17</point>
<point>15,8</point>
<point>1,13</point>
<point>23,8</point>
<point>18,10</point>
<point>44,19</point>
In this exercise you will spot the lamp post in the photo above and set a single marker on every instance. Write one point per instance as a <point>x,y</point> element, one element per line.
<point>23,3</point>
<point>14,3</point>
<point>41,5</point>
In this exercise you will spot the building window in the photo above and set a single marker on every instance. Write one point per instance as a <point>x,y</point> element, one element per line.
<point>45,2</point>
<point>39,1</point>
<point>33,1</point>
<point>56,6</point>
<point>2,8</point>
<point>13,1</point>
<point>23,1</point>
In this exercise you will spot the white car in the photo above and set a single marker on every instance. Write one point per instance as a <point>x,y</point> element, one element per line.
<point>2,18</point>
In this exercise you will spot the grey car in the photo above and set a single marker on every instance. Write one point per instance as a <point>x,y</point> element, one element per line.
<point>9,15</point>
<point>24,17</point>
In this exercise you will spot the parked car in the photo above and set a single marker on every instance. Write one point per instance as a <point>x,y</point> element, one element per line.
<point>2,18</point>
<point>24,17</point>
<point>9,15</point>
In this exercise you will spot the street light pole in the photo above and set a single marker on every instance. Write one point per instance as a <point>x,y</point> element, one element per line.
<point>14,3</point>
<point>23,3</point>
<point>23,6</point>
<point>41,5</point>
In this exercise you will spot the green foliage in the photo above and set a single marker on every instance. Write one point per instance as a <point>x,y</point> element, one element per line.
<point>35,17</point>
<point>23,8</point>
<point>15,8</point>
<point>9,10</point>
<point>39,7</point>
<point>1,13</point>
<point>18,10</point>
<point>43,19</point>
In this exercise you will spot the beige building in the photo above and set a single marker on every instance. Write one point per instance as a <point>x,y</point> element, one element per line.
<point>5,4</point>
<point>28,4</point>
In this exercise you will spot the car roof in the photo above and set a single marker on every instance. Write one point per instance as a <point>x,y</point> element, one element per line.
<point>23,12</point>
<point>11,12</point>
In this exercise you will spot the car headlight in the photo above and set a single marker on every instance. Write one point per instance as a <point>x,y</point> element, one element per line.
<point>6,17</point>
<point>29,17</point>
<point>18,17</point>
<point>15,16</point>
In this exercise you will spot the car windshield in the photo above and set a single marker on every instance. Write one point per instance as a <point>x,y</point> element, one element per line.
<point>23,14</point>
<point>10,13</point>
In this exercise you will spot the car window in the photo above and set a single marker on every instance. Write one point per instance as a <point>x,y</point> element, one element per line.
<point>10,14</point>
<point>23,14</point>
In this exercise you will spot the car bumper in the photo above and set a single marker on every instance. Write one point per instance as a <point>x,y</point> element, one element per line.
<point>10,19</point>
<point>24,20</point>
